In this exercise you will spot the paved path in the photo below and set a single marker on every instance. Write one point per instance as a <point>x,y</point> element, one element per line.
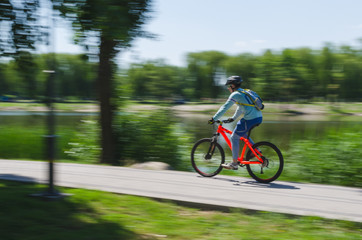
<point>285,197</point>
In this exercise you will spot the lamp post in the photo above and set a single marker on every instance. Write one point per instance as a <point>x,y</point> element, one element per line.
<point>50,138</point>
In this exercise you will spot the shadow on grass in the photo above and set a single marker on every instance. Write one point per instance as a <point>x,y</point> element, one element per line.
<point>25,217</point>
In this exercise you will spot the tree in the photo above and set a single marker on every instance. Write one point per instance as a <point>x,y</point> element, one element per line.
<point>307,72</point>
<point>75,76</point>
<point>326,63</point>
<point>155,79</point>
<point>242,65</point>
<point>112,25</point>
<point>205,68</point>
<point>350,85</point>
<point>20,31</point>
<point>19,28</point>
<point>27,71</point>
<point>4,85</point>
<point>269,74</point>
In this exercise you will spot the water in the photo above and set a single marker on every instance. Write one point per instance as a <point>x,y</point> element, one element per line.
<point>282,130</point>
<point>18,129</point>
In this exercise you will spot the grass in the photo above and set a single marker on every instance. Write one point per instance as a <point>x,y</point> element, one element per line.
<point>334,158</point>
<point>101,215</point>
<point>28,142</point>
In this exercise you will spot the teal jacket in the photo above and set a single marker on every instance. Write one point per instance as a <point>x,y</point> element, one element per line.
<point>237,97</point>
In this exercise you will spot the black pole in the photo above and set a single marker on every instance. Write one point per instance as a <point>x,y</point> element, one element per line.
<point>50,139</point>
<point>50,143</point>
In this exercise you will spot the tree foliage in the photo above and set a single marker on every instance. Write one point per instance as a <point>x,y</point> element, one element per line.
<point>204,68</point>
<point>75,78</point>
<point>156,80</point>
<point>111,25</point>
<point>327,74</point>
<point>20,28</point>
<point>278,76</point>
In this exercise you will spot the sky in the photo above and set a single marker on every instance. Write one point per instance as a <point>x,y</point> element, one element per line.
<point>237,26</point>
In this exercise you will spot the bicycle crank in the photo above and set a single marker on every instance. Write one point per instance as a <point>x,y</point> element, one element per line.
<point>264,164</point>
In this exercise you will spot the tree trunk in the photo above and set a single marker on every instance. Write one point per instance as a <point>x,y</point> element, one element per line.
<point>105,84</point>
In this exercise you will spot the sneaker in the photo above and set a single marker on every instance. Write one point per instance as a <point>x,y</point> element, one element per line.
<point>231,165</point>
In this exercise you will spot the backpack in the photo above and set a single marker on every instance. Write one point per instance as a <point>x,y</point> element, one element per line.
<point>254,97</point>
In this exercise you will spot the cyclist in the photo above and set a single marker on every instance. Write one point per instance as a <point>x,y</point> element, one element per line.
<point>252,117</point>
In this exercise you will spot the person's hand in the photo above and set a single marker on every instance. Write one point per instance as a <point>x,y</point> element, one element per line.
<point>211,121</point>
<point>229,120</point>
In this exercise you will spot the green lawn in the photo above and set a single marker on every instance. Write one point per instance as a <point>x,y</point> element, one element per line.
<point>100,215</point>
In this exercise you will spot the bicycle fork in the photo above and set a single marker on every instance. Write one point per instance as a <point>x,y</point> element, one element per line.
<point>211,150</point>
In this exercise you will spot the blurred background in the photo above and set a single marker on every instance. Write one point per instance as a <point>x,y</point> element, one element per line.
<point>121,82</point>
<point>136,81</point>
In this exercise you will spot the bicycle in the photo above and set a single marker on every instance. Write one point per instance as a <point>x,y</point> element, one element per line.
<point>264,161</point>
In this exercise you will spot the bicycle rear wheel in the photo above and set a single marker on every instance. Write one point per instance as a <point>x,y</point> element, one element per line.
<point>273,164</point>
<point>207,157</point>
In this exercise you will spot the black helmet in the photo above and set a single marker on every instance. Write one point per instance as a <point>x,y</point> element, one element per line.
<point>234,80</point>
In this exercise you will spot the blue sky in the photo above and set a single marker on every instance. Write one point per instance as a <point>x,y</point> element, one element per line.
<point>239,26</point>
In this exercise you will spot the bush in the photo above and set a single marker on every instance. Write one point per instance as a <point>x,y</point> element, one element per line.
<point>150,137</point>
<point>84,147</point>
<point>333,159</point>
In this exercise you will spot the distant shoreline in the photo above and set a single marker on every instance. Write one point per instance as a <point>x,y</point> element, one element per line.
<point>344,108</point>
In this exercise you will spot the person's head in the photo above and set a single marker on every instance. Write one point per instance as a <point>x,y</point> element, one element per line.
<point>233,83</point>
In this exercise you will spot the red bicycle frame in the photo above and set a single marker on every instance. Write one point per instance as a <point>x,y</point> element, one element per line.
<point>221,130</point>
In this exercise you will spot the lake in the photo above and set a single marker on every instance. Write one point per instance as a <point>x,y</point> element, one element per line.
<point>21,133</point>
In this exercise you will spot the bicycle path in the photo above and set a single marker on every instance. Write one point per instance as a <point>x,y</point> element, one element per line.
<point>335,202</point>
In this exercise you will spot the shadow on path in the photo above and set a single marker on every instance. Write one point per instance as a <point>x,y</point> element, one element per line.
<point>249,183</point>
<point>13,177</point>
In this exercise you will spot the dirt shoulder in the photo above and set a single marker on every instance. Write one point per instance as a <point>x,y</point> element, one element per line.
<point>59,107</point>
<point>270,108</point>
<point>285,108</point>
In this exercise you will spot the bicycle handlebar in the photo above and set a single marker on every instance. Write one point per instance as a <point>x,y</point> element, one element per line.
<point>223,121</point>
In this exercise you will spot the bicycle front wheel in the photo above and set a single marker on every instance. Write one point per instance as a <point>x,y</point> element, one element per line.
<point>273,164</point>
<point>207,157</point>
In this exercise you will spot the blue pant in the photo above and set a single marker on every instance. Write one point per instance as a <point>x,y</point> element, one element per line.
<point>241,130</point>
